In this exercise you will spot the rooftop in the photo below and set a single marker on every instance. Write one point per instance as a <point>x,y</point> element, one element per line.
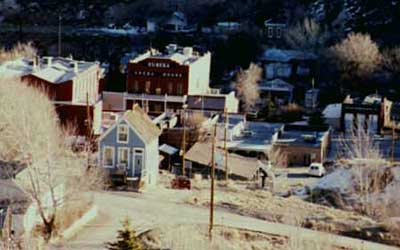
<point>276,85</point>
<point>184,56</point>
<point>142,124</point>
<point>238,165</point>
<point>52,69</point>
<point>333,110</point>
<point>257,136</point>
<point>302,135</point>
<point>279,55</point>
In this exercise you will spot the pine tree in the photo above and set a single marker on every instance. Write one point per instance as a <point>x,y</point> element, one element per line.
<point>126,239</point>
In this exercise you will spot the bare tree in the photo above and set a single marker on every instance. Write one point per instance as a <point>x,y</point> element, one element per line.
<point>21,50</point>
<point>356,56</point>
<point>247,86</point>
<point>31,135</point>
<point>306,35</point>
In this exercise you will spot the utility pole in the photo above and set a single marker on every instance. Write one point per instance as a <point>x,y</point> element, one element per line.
<point>393,141</point>
<point>225,146</point>
<point>211,223</point>
<point>184,141</point>
<point>59,34</point>
<point>88,131</point>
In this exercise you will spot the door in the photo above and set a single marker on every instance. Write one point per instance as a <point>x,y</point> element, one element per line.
<point>307,160</point>
<point>138,161</point>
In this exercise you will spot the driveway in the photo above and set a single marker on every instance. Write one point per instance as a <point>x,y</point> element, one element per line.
<point>148,211</point>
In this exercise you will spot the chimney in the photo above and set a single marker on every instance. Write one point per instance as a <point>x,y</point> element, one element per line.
<point>34,63</point>
<point>188,51</point>
<point>49,61</point>
<point>76,67</point>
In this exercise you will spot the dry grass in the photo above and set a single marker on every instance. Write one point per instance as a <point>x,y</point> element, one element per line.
<point>195,237</point>
<point>293,211</point>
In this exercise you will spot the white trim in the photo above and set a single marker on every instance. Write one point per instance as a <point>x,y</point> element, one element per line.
<point>134,157</point>
<point>119,154</point>
<point>126,126</point>
<point>113,157</point>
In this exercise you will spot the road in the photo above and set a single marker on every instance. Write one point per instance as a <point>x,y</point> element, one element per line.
<point>149,211</point>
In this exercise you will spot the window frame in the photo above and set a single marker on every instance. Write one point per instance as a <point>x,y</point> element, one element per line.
<point>278,32</point>
<point>143,170</point>
<point>120,150</point>
<point>127,133</point>
<point>104,156</point>
<point>179,89</point>
<point>270,32</point>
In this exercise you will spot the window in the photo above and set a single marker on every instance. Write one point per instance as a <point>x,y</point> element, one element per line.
<point>158,91</point>
<point>135,86</point>
<point>170,88</point>
<point>123,156</point>
<point>123,134</point>
<point>108,156</point>
<point>278,32</point>
<point>148,87</point>
<point>270,32</point>
<point>179,89</point>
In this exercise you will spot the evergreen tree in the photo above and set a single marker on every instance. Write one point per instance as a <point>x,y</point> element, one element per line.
<point>126,239</point>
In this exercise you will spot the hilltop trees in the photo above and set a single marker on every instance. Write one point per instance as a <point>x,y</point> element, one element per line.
<point>307,35</point>
<point>357,57</point>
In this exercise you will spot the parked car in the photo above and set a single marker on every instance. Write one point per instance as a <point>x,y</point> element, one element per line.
<point>181,182</point>
<point>316,169</point>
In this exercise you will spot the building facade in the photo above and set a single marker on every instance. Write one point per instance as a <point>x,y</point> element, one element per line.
<point>129,148</point>
<point>157,80</point>
<point>72,86</point>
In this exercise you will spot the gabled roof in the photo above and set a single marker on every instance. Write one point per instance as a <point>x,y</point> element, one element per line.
<point>142,124</point>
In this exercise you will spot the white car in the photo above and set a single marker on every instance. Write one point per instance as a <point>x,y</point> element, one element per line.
<point>316,169</point>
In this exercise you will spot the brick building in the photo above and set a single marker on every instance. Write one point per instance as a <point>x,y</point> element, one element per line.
<point>159,81</point>
<point>73,87</point>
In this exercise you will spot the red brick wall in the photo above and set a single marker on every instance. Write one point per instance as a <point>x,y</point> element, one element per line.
<point>157,80</point>
<point>57,92</point>
<point>74,115</point>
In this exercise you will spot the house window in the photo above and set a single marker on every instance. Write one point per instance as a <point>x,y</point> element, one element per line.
<point>278,32</point>
<point>148,87</point>
<point>170,88</point>
<point>108,156</point>
<point>123,133</point>
<point>136,86</point>
<point>270,32</point>
<point>123,156</point>
<point>179,89</point>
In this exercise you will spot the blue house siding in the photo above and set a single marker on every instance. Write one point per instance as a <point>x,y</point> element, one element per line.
<point>134,142</point>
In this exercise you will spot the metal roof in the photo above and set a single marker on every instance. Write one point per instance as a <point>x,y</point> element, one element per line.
<point>165,148</point>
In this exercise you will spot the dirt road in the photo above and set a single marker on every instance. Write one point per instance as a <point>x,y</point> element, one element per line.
<point>149,211</point>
